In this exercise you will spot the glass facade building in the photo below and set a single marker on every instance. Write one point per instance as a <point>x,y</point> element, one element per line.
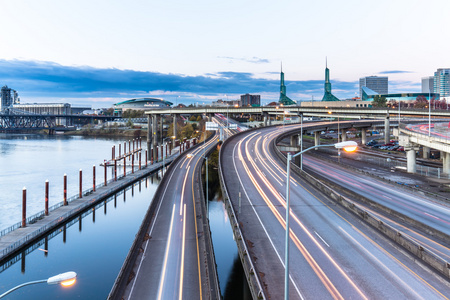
<point>375,83</point>
<point>441,82</point>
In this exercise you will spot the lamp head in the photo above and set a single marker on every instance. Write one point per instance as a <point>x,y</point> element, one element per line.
<point>348,146</point>
<point>66,279</point>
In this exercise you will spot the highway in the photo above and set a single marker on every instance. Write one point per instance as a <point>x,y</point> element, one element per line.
<point>173,264</point>
<point>333,254</point>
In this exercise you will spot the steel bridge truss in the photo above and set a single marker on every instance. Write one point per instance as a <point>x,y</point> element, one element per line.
<point>32,122</point>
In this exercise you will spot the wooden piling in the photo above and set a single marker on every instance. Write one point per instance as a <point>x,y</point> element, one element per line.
<point>65,189</point>
<point>93,178</point>
<point>81,184</point>
<point>46,197</point>
<point>24,207</point>
<point>106,179</point>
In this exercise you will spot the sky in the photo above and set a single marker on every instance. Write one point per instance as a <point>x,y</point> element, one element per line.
<point>101,52</point>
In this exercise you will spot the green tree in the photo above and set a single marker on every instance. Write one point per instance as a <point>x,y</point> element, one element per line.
<point>379,101</point>
<point>192,118</point>
<point>187,131</point>
<point>199,118</point>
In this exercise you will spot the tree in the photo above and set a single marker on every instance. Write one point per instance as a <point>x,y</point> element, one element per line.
<point>379,101</point>
<point>187,131</point>
<point>199,118</point>
<point>192,118</point>
<point>421,102</point>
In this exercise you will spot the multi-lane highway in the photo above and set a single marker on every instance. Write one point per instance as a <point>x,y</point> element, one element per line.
<point>173,262</point>
<point>333,254</point>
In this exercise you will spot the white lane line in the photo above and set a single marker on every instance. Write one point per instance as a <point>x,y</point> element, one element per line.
<point>166,256</point>
<point>182,191</point>
<point>262,225</point>
<point>150,234</point>
<point>321,239</point>
<point>180,293</point>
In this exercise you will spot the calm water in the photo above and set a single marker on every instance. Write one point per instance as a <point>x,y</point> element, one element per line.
<point>96,246</point>
<point>27,160</point>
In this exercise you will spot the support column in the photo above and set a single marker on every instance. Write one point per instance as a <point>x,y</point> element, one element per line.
<point>154,136</point>
<point>387,131</point>
<point>446,163</point>
<point>174,124</point>
<point>343,135</point>
<point>363,136</point>
<point>294,140</point>
<point>161,121</point>
<point>316,139</point>
<point>265,115</point>
<point>426,152</point>
<point>149,137</point>
<point>270,120</point>
<point>411,161</point>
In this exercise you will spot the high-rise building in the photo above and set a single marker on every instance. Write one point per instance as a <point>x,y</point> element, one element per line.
<point>7,100</point>
<point>377,84</point>
<point>428,84</point>
<point>441,82</point>
<point>250,100</point>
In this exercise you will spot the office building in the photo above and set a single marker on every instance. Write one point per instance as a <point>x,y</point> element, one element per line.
<point>250,100</point>
<point>441,82</point>
<point>428,84</point>
<point>377,84</point>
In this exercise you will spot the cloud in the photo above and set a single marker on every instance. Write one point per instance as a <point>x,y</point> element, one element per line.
<point>253,60</point>
<point>48,80</point>
<point>395,72</point>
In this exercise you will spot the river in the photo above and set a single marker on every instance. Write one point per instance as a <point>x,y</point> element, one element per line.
<point>95,245</point>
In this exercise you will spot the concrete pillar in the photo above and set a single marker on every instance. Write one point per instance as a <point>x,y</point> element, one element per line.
<point>316,138</point>
<point>411,161</point>
<point>174,124</point>
<point>426,152</point>
<point>161,121</point>
<point>446,163</point>
<point>343,135</point>
<point>294,140</point>
<point>387,132</point>
<point>270,120</point>
<point>265,115</point>
<point>363,136</point>
<point>154,136</point>
<point>149,135</point>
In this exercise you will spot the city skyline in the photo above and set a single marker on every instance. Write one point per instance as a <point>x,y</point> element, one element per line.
<point>204,51</point>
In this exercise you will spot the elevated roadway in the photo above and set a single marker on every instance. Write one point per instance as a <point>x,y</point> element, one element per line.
<point>172,256</point>
<point>332,255</point>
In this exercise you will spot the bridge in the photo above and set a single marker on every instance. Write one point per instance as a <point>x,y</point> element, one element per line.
<point>332,255</point>
<point>17,121</point>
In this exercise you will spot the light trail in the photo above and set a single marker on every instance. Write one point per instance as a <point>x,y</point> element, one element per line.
<point>180,293</point>
<point>166,255</point>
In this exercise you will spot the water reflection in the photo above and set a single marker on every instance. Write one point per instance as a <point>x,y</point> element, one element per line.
<point>95,249</point>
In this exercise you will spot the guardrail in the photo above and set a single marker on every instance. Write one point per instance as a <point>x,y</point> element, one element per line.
<point>418,249</point>
<point>253,279</point>
<point>122,279</point>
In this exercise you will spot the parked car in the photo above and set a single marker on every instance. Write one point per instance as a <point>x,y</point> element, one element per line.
<point>401,148</point>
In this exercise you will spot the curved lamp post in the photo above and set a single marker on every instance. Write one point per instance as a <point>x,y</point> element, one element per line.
<point>65,279</point>
<point>348,146</point>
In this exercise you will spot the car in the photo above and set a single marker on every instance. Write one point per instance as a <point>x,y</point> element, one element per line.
<point>401,148</point>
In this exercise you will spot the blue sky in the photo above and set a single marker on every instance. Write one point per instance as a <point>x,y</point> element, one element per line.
<point>101,52</point>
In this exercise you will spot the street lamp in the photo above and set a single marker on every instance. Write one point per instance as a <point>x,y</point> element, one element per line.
<point>348,146</point>
<point>65,279</point>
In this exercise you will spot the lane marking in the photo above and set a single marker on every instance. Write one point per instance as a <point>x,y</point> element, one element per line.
<point>322,239</point>
<point>166,255</point>
<point>182,191</point>
<point>180,293</point>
